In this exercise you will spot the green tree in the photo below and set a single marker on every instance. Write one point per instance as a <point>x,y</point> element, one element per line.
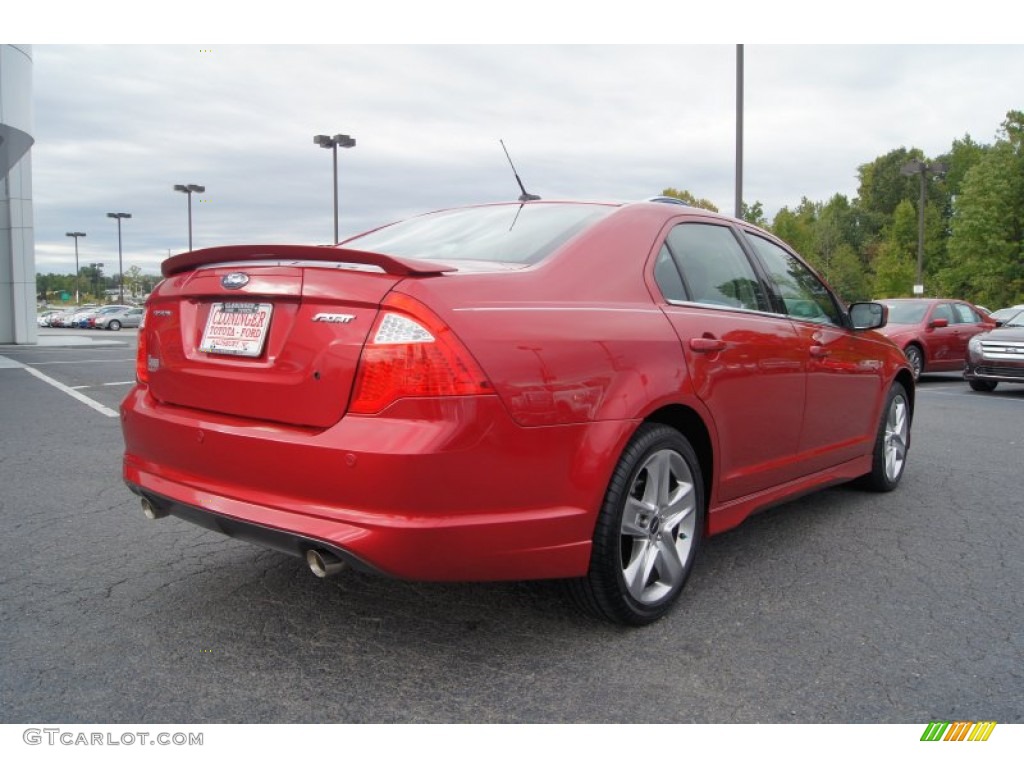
<point>754,214</point>
<point>133,281</point>
<point>797,228</point>
<point>848,276</point>
<point>896,264</point>
<point>883,185</point>
<point>986,253</point>
<point>687,197</point>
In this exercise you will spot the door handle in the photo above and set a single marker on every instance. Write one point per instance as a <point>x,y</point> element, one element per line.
<point>704,344</point>
<point>819,351</point>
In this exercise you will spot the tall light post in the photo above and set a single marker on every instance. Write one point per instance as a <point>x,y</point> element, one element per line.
<point>120,259</point>
<point>95,266</point>
<point>332,143</point>
<point>922,169</point>
<point>739,132</point>
<point>188,189</point>
<point>76,235</point>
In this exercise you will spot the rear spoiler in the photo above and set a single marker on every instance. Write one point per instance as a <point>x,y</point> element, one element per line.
<point>394,265</point>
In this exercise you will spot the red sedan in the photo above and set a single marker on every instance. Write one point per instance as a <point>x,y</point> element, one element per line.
<point>933,333</point>
<point>515,391</point>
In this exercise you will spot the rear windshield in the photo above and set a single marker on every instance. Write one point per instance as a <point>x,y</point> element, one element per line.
<point>521,234</point>
<point>907,313</point>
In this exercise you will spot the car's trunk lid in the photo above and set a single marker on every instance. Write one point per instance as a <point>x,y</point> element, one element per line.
<point>271,333</point>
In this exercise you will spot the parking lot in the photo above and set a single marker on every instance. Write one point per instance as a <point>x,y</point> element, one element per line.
<point>842,606</point>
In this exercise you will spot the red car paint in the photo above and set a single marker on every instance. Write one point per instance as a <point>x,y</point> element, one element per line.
<point>491,459</point>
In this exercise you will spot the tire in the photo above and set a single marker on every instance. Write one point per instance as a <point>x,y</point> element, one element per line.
<point>982,386</point>
<point>114,325</point>
<point>891,444</point>
<point>916,359</point>
<point>648,531</point>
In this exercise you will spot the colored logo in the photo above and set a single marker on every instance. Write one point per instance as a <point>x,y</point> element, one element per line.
<point>958,731</point>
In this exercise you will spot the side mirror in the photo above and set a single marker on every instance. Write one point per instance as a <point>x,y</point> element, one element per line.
<point>866,315</point>
<point>938,322</point>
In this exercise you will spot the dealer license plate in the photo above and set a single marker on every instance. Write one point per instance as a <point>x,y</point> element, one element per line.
<point>237,328</point>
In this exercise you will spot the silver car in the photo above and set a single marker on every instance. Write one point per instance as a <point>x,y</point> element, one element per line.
<point>123,318</point>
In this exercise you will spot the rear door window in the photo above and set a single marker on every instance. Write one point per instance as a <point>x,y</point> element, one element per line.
<point>713,268</point>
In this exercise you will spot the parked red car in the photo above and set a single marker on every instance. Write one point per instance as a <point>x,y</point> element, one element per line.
<point>933,333</point>
<point>512,391</point>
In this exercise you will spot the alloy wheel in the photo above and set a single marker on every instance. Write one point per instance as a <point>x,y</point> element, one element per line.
<point>897,428</point>
<point>657,531</point>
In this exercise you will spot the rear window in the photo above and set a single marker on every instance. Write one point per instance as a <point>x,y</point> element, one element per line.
<point>520,234</point>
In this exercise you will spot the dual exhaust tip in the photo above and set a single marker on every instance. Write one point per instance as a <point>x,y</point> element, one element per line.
<point>323,564</point>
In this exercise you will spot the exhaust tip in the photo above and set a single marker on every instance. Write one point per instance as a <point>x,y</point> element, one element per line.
<point>151,511</point>
<point>323,564</point>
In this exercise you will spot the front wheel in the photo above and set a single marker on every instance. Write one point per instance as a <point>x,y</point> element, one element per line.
<point>648,531</point>
<point>979,385</point>
<point>916,359</point>
<point>891,442</point>
<point>114,325</point>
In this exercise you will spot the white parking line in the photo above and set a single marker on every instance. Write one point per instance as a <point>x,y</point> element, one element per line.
<point>104,384</point>
<point>68,390</point>
<point>80,362</point>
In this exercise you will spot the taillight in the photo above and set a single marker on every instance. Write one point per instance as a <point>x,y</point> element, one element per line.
<point>142,356</point>
<point>412,353</point>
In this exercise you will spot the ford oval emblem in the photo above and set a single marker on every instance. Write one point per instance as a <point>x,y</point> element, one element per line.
<point>234,280</point>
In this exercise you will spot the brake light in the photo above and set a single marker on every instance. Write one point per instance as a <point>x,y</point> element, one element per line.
<point>411,352</point>
<point>142,355</point>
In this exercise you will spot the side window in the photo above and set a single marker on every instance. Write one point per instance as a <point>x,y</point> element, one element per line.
<point>944,312</point>
<point>965,314</point>
<point>666,275</point>
<point>803,294</point>
<point>714,267</point>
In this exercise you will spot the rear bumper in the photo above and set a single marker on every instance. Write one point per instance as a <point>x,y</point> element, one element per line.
<point>438,490</point>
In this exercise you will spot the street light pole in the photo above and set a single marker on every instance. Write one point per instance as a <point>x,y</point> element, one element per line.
<point>188,189</point>
<point>332,143</point>
<point>96,274</point>
<point>739,131</point>
<point>76,235</point>
<point>923,169</point>
<point>120,259</point>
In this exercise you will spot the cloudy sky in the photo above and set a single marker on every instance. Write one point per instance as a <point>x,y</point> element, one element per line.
<point>117,126</point>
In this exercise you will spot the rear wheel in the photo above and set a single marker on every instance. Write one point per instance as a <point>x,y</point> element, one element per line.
<point>982,386</point>
<point>648,531</point>
<point>891,443</point>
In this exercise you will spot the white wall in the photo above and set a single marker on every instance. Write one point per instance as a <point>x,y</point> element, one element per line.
<point>17,240</point>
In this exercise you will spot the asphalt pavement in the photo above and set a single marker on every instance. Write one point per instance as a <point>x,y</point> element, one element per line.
<point>841,607</point>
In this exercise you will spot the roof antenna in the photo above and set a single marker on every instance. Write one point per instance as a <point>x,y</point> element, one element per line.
<point>526,196</point>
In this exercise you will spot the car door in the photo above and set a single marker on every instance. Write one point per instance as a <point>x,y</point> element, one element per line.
<point>845,368</point>
<point>940,337</point>
<point>744,362</point>
<point>968,324</point>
